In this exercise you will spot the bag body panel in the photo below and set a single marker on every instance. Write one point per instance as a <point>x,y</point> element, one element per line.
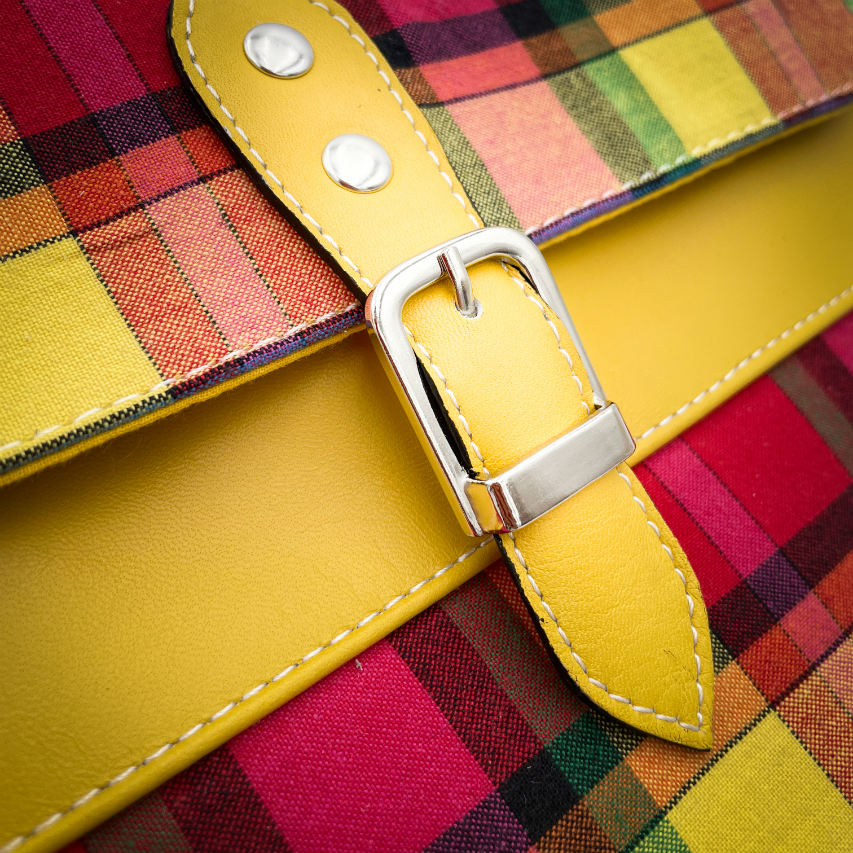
<point>190,489</point>
<point>456,733</point>
<point>115,532</point>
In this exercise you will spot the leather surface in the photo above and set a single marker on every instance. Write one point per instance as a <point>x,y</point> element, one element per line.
<point>510,380</point>
<point>95,543</point>
<point>111,653</point>
<point>619,603</point>
<point>166,575</point>
<point>282,127</point>
<point>724,278</point>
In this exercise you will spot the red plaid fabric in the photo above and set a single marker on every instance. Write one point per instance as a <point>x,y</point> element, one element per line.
<point>457,733</point>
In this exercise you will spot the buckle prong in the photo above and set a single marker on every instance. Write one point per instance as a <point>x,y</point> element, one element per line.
<point>541,480</point>
<point>453,267</point>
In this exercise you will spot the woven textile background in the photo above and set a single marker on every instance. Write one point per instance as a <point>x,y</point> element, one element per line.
<point>139,265</point>
<point>553,112</point>
<point>456,733</point>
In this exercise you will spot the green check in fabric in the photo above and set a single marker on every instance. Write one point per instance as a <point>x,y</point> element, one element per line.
<point>553,113</point>
<point>122,213</point>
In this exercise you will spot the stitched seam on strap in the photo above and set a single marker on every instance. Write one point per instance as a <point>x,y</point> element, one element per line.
<point>267,171</point>
<point>746,361</point>
<point>690,604</point>
<point>809,318</point>
<point>451,396</point>
<point>398,98</point>
<point>640,709</point>
<point>253,151</point>
<point>698,151</point>
<point>167,383</point>
<point>16,842</point>
<point>534,297</point>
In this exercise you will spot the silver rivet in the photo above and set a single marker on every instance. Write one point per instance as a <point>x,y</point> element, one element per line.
<point>357,163</point>
<point>278,50</point>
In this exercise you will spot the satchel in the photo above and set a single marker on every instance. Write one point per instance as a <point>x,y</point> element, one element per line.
<point>188,574</point>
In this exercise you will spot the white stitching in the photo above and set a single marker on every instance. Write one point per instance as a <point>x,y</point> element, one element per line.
<point>641,179</point>
<point>751,357</point>
<point>14,843</point>
<point>536,300</point>
<point>614,696</point>
<point>266,170</point>
<point>690,605</point>
<point>226,709</point>
<point>640,709</point>
<point>452,397</point>
<point>167,383</point>
<point>296,329</point>
<point>406,113</point>
<point>698,151</point>
<point>477,223</point>
<point>160,385</point>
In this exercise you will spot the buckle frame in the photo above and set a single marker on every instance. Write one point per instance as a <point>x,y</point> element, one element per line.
<point>540,481</point>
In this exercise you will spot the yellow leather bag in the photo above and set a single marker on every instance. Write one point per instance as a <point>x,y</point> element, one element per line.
<point>187,574</point>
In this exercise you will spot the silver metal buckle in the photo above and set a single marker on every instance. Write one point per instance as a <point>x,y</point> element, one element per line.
<point>547,477</point>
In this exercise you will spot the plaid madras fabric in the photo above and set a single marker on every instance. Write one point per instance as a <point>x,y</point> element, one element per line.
<point>554,113</point>
<point>457,734</point>
<point>139,265</point>
<point>138,262</point>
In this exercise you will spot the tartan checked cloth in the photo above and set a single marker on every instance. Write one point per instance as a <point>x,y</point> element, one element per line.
<point>146,267</point>
<point>456,733</point>
<point>122,215</point>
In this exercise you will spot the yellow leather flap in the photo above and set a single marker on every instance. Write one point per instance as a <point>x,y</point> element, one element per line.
<point>124,670</point>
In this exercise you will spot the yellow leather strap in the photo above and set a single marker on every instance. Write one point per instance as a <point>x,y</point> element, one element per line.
<point>613,592</point>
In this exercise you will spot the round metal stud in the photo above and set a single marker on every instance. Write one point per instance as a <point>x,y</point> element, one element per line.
<point>278,50</point>
<point>357,163</point>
